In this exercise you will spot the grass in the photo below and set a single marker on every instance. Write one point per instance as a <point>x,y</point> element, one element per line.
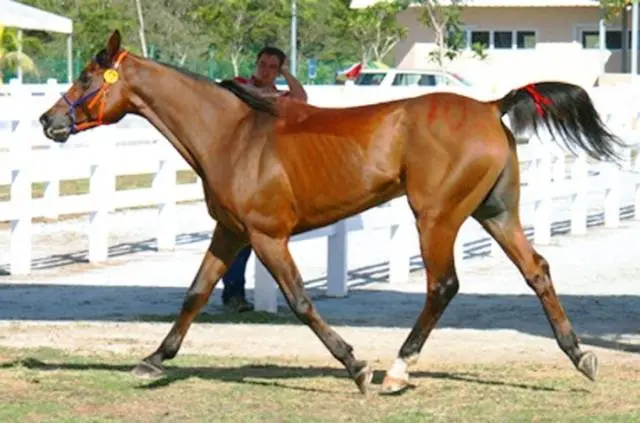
<point>284,317</point>
<point>50,385</point>
<point>81,186</point>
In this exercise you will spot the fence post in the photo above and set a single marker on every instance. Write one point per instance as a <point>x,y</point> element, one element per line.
<point>101,189</point>
<point>399,256</point>
<point>164,185</point>
<point>51,195</point>
<point>52,184</point>
<point>266,290</point>
<point>636,168</point>
<point>543,197</point>
<point>337,259</point>
<point>579,176</point>
<point>612,196</point>
<point>21,203</point>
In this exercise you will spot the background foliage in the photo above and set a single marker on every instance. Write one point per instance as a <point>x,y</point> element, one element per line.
<point>221,38</point>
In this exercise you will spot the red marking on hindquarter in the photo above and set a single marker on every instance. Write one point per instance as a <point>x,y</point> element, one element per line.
<point>431,116</point>
<point>460,115</point>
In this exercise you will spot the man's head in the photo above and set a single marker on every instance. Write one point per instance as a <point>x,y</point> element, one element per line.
<point>268,64</point>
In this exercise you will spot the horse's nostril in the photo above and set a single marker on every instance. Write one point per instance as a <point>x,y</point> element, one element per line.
<point>44,119</point>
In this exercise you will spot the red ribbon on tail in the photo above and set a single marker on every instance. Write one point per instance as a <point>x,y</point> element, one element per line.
<point>538,99</point>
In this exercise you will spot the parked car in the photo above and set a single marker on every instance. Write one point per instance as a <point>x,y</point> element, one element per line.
<point>408,78</point>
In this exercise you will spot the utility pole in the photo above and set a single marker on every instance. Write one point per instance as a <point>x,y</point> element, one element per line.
<point>634,38</point>
<point>143,41</point>
<point>294,39</point>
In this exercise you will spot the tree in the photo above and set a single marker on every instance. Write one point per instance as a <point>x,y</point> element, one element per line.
<point>446,23</point>
<point>376,29</point>
<point>10,56</point>
<point>322,29</point>
<point>171,32</point>
<point>93,21</point>
<point>613,8</point>
<point>232,25</point>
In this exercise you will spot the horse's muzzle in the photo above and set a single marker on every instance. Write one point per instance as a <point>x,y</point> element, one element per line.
<point>56,127</point>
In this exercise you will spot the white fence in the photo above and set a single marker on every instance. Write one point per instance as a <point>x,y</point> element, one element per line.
<point>134,147</point>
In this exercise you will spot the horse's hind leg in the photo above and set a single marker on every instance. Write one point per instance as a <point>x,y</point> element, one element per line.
<point>500,217</point>
<point>436,243</point>
<point>223,248</point>
<point>274,254</point>
<point>507,231</point>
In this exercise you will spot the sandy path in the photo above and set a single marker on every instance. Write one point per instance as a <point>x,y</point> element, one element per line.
<point>495,317</point>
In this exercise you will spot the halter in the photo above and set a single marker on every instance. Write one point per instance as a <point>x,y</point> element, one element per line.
<point>110,76</point>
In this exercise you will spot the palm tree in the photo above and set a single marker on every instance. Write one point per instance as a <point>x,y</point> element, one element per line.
<point>10,57</point>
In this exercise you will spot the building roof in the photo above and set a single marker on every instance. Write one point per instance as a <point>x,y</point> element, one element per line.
<point>359,4</point>
<point>18,15</point>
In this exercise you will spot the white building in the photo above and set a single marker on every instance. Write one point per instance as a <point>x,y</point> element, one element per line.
<point>526,40</point>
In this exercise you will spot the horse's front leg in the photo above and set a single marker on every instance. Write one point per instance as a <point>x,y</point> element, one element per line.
<point>221,252</point>
<point>275,255</point>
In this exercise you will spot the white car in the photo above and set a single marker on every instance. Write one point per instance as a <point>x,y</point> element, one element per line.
<point>408,78</point>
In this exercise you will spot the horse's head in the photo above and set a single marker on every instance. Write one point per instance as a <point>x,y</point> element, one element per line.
<point>97,97</point>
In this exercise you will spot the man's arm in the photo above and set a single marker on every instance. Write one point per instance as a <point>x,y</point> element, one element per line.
<point>295,87</point>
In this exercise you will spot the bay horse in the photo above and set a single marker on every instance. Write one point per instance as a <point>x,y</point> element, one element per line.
<point>273,168</point>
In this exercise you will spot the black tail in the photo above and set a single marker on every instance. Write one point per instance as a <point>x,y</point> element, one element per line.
<point>565,108</point>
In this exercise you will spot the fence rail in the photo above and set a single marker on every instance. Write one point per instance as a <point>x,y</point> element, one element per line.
<point>134,147</point>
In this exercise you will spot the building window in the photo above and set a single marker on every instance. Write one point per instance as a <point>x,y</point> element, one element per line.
<point>502,39</point>
<point>590,39</point>
<point>481,37</point>
<point>613,39</point>
<point>526,39</point>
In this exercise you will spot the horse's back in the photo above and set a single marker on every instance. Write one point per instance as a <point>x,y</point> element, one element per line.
<point>355,154</point>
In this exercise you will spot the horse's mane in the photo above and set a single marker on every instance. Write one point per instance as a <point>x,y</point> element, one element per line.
<point>254,101</point>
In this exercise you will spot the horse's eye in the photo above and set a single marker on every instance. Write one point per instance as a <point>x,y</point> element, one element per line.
<point>84,78</point>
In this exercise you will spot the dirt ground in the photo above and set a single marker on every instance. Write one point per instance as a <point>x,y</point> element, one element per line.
<point>377,345</point>
<point>494,318</point>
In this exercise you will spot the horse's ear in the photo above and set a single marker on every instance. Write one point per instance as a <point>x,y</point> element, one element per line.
<point>113,45</point>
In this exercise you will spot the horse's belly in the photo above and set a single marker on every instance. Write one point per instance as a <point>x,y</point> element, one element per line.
<point>329,206</point>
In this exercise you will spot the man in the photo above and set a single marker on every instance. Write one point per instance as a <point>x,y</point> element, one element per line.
<point>270,63</point>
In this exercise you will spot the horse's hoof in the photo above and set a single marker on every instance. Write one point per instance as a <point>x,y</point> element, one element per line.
<point>394,386</point>
<point>363,378</point>
<point>148,371</point>
<point>588,365</point>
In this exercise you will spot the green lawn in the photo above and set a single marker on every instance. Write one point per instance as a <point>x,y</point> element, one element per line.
<point>81,186</point>
<point>49,385</point>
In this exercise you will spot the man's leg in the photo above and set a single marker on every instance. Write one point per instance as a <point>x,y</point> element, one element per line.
<point>233,293</point>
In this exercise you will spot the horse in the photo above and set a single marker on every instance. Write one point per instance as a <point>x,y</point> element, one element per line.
<point>271,169</point>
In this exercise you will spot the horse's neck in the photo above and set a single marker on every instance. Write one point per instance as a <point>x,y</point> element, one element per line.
<point>184,110</point>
